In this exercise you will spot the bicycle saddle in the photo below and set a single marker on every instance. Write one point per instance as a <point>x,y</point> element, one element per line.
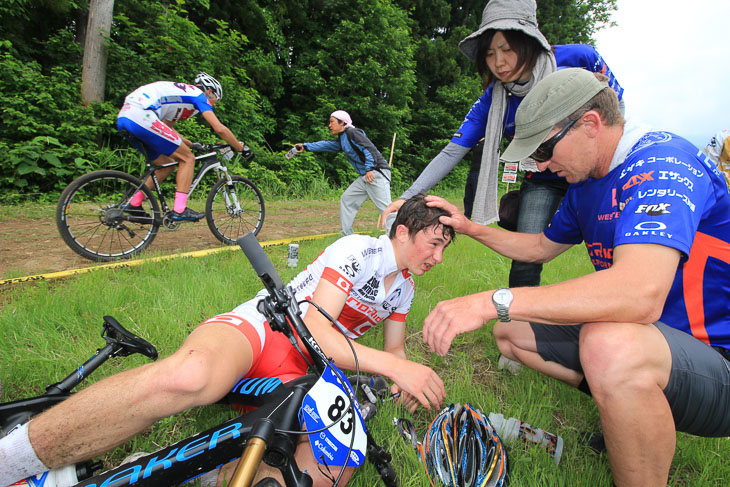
<point>129,343</point>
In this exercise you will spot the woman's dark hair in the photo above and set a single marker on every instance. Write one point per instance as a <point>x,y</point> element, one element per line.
<point>527,48</point>
<point>417,216</point>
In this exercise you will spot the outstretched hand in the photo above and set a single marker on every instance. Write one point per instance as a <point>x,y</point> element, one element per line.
<point>418,384</point>
<point>392,207</point>
<point>454,317</point>
<point>457,220</point>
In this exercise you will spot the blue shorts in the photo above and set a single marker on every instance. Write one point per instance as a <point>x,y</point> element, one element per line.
<point>698,391</point>
<point>158,138</point>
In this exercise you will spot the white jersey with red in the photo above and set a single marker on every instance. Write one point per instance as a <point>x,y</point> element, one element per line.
<point>357,265</point>
<point>169,100</point>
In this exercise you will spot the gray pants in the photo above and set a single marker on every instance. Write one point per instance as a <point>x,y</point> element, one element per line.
<point>359,191</point>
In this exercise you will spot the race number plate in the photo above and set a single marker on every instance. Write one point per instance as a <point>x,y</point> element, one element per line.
<point>326,402</point>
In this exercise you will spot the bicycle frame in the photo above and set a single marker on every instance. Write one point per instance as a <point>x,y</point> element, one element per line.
<point>203,452</point>
<point>120,342</point>
<point>214,164</point>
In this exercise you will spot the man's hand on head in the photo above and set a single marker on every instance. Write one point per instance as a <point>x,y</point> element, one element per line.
<point>457,220</point>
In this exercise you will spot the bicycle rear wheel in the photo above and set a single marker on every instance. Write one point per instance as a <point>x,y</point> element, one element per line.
<point>94,221</point>
<point>234,209</point>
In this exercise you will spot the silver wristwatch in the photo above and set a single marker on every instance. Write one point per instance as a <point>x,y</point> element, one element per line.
<point>502,298</point>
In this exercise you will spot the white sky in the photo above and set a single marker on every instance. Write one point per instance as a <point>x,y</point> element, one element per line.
<point>672,57</point>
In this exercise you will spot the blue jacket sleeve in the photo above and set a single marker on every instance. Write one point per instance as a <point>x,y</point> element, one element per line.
<point>323,146</point>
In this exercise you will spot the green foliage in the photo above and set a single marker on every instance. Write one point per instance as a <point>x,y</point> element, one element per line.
<point>285,65</point>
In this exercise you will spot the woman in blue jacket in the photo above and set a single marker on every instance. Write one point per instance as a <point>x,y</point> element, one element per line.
<point>511,55</point>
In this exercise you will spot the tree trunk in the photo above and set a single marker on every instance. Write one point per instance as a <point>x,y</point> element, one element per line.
<point>93,74</point>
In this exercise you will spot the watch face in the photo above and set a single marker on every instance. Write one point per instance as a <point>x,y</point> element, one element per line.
<point>503,296</point>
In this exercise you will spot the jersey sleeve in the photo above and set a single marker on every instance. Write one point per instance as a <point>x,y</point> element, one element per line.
<point>342,266</point>
<point>663,193</point>
<point>473,126</point>
<point>201,103</point>
<point>563,227</point>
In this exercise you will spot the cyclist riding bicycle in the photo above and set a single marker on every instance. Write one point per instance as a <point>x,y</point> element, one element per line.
<point>360,280</point>
<point>150,113</point>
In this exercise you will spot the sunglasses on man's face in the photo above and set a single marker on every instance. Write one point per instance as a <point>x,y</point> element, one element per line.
<point>545,150</point>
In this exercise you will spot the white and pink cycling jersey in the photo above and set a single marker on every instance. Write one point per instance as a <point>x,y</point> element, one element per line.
<point>169,100</point>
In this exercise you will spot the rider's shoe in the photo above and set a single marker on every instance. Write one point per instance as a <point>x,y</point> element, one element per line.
<point>187,215</point>
<point>132,210</point>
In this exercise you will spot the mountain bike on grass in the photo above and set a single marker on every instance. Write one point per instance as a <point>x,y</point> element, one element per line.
<point>94,218</point>
<point>325,399</point>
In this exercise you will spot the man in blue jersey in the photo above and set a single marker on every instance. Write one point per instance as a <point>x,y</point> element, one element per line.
<point>648,335</point>
<point>150,113</point>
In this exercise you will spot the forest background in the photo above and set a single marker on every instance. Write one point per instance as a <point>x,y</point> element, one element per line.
<point>285,65</point>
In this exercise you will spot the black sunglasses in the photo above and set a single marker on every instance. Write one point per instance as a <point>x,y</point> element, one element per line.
<point>545,150</point>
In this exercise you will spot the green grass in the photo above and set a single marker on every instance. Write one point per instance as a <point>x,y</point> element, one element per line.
<point>47,328</point>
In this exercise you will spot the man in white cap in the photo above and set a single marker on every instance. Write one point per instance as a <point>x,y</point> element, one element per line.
<point>373,171</point>
<point>649,334</point>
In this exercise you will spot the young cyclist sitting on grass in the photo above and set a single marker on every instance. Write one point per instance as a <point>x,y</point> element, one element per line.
<point>150,113</point>
<point>361,280</point>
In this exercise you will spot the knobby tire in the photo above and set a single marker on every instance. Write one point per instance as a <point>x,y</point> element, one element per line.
<point>222,217</point>
<point>91,219</point>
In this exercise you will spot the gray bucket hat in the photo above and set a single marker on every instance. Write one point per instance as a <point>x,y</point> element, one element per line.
<point>553,99</point>
<point>505,15</point>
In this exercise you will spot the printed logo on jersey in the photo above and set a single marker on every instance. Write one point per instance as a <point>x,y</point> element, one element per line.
<point>662,193</point>
<point>607,217</point>
<point>352,268</point>
<point>371,251</point>
<point>655,209</point>
<point>651,138</point>
<point>638,179</point>
<point>370,289</point>
<point>602,258</point>
<point>183,114</point>
<point>182,86</point>
<point>651,228</point>
<point>675,176</point>
<point>388,305</point>
<point>331,275</point>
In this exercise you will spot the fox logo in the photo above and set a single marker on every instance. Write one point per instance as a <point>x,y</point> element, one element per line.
<point>654,209</point>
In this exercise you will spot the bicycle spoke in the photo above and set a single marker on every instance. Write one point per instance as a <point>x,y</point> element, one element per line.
<point>235,209</point>
<point>94,219</point>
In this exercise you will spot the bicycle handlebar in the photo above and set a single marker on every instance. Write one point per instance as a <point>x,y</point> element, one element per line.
<point>280,307</point>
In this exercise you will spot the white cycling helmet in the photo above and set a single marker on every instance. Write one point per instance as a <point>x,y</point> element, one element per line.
<point>207,82</point>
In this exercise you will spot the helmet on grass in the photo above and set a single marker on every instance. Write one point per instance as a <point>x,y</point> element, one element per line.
<point>461,448</point>
<point>207,82</point>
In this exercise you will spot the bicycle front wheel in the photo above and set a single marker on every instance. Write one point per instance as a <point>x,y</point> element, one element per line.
<point>94,219</point>
<point>234,209</point>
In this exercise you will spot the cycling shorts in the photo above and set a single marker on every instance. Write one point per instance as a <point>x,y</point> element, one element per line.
<point>158,137</point>
<point>698,391</point>
<point>273,354</point>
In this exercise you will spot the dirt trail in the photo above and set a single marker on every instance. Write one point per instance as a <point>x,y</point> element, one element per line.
<point>33,246</point>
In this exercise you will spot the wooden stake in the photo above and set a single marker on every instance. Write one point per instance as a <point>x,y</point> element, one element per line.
<point>392,147</point>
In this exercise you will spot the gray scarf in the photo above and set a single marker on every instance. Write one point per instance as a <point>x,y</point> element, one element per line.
<point>485,204</point>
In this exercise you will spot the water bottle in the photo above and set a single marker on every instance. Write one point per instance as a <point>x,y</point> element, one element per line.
<point>293,257</point>
<point>291,153</point>
<point>512,429</point>
<point>60,477</point>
